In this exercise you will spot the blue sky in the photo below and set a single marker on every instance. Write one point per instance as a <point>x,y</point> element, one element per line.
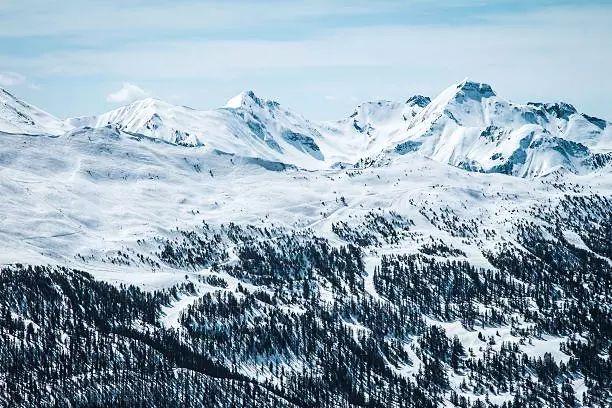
<point>320,58</point>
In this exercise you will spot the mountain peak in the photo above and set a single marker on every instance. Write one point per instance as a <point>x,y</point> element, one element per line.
<point>453,97</point>
<point>149,102</point>
<point>561,110</point>
<point>248,100</point>
<point>418,100</point>
<point>474,90</point>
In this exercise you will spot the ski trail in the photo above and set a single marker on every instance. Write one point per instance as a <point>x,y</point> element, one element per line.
<point>173,313</point>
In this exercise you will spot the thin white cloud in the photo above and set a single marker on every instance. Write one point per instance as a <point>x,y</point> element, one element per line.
<point>501,45</point>
<point>11,79</point>
<point>36,18</point>
<point>128,93</point>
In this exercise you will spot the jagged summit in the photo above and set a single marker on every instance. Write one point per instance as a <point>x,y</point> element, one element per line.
<point>418,100</point>
<point>562,110</point>
<point>249,100</point>
<point>462,92</point>
<point>244,98</point>
<point>474,90</point>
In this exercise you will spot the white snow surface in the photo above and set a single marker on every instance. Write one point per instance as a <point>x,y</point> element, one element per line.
<point>95,191</point>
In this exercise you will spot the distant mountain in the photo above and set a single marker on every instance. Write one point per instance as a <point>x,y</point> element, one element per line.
<point>470,127</point>
<point>247,126</point>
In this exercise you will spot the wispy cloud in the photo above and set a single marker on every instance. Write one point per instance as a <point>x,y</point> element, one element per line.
<point>36,18</point>
<point>11,79</point>
<point>127,93</point>
<point>551,44</point>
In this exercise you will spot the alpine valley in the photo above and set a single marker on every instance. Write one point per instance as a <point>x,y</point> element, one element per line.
<point>452,251</point>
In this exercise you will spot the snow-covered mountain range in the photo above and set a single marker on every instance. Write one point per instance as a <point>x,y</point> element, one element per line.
<point>467,126</point>
<point>432,252</point>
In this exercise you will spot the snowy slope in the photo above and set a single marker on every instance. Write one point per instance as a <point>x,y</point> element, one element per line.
<point>17,116</point>
<point>372,127</point>
<point>96,190</point>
